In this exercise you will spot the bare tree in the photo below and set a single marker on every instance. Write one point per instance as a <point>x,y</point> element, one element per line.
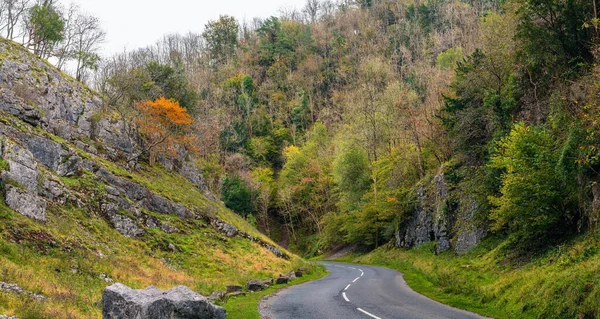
<point>88,36</point>
<point>311,10</point>
<point>12,13</point>
<point>64,50</point>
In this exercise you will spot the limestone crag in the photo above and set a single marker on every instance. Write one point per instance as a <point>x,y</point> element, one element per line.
<point>469,231</point>
<point>39,94</point>
<point>438,218</point>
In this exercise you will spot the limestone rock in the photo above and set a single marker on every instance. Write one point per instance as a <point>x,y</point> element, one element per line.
<point>225,228</point>
<point>255,285</point>
<point>14,288</point>
<point>469,232</point>
<point>25,203</point>
<point>282,280</point>
<point>22,167</point>
<point>122,302</point>
<point>106,279</point>
<point>216,295</point>
<point>168,228</point>
<point>441,218</point>
<point>45,151</point>
<point>233,288</point>
<point>123,224</point>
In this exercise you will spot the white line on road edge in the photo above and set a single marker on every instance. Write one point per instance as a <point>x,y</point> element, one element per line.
<point>347,287</point>
<point>368,314</point>
<point>346,298</point>
<point>357,278</point>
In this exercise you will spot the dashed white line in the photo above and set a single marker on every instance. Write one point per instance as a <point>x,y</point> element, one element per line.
<point>347,287</point>
<point>357,278</point>
<point>361,272</point>
<point>368,314</point>
<point>345,298</point>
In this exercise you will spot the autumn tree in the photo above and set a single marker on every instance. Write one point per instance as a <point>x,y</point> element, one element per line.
<point>164,126</point>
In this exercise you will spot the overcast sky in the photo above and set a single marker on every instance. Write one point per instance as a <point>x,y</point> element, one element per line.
<point>133,24</point>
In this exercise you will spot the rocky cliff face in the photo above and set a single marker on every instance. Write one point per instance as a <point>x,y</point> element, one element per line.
<point>438,218</point>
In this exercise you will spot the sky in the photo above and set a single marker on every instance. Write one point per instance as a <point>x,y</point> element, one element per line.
<point>131,24</point>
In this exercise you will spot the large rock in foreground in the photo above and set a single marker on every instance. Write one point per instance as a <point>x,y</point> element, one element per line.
<point>122,302</point>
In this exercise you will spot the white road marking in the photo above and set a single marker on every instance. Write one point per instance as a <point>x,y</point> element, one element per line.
<point>368,314</point>
<point>361,272</point>
<point>352,268</point>
<point>345,298</point>
<point>357,278</point>
<point>347,287</point>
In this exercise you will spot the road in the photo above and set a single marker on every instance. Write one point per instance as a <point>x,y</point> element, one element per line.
<point>356,292</point>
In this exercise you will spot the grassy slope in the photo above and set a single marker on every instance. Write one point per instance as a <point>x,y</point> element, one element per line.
<point>64,258</point>
<point>563,283</point>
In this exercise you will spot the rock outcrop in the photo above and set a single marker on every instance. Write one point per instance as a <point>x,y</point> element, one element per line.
<point>122,302</point>
<point>40,95</point>
<point>13,288</point>
<point>441,219</point>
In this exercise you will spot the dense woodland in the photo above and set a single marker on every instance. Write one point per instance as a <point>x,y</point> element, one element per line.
<point>318,125</point>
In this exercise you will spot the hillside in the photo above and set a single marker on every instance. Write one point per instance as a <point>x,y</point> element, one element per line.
<point>75,216</point>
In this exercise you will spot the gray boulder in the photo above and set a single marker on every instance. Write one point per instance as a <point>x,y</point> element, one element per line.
<point>234,289</point>
<point>256,285</point>
<point>284,279</point>
<point>122,302</point>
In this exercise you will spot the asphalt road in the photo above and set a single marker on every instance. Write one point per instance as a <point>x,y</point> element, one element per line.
<point>356,292</point>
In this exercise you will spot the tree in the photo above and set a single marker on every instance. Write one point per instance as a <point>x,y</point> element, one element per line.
<point>87,36</point>
<point>173,84</point>
<point>164,126</point>
<point>535,194</point>
<point>221,38</point>
<point>237,195</point>
<point>45,28</point>
<point>352,172</point>
<point>265,189</point>
<point>311,10</point>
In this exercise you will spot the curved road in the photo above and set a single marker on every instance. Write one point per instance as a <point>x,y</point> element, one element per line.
<point>356,292</point>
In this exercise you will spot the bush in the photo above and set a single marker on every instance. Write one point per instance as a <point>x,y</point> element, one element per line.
<point>237,195</point>
<point>534,196</point>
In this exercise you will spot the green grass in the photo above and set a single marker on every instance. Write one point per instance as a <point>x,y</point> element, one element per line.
<point>561,283</point>
<point>246,307</point>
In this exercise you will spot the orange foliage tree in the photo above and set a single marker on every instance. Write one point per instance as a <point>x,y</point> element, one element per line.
<point>165,127</point>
